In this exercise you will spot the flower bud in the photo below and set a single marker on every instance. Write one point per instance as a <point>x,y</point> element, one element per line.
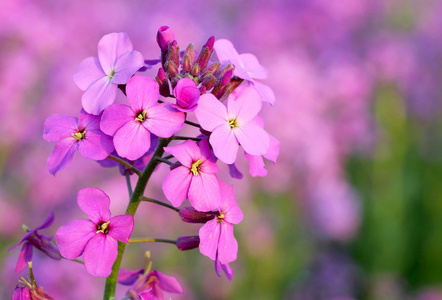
<point>191,215</point>
<point>190,242</point>
<point>163,83</point>
<point>221,87</point>
<point>187,65</point>
<point>164,37</point>
<point>195,70</point>
<point>171,69</point>
<point>190,52</point>
<point>209,82</point>
<point>213,67</point>
<point>202,90</point>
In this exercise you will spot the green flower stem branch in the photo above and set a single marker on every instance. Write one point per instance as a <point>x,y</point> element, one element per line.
<point>160,203</point>
<point>126,164</point>
<point>152,240</point>
<point>111,281</point>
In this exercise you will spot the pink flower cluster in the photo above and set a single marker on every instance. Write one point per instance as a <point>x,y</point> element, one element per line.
<point>225,99</point>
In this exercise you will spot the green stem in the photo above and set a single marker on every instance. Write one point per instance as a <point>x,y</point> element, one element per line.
<point>160,203</point>
<point>152,240</point>
<point>126,164</point>
<point>164,161</point>
<point>192,124</point>
<point>129,185</point>
<point>187,138</point>
<point>111,281</point>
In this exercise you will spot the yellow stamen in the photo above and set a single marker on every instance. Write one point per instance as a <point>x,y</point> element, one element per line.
<point>103,228</point>
<point>111,74</point>
<point>195,168</point>
<point>141,116</point>
<point>232,123</point>
<point>79,135</point>
<point>220,218</point>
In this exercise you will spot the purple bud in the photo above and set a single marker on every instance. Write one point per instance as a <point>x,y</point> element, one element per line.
<point>171,68</point>
<point>213,67</point>
<point>161,78</point>
<point>190,242</point>
<point>209,82</point>
<point>173,53</point>
<point>187,65</point>
<point>234,83</point>
<point>190,52</point>
<point>224,70</point>
<point>210,42</point>
<point>195,70</point>
<point>203,58</point>
<point>221,87</point>
<point>164,37</point>
<point>191,215</point>
<point>202,90</point>
<point>161,75</point>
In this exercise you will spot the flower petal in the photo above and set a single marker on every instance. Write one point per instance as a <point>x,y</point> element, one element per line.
<point>100,254</point>
<point>210,112</point>
<point>163,120</point>
<point>132,140</point>
<point>252,66</point>
<point>204,193</point>
<point>227,52</point>
<point>244,104</point>
<point>62,155</point>
<point>224,143</point>
<point>256,165</point>
<point>176,185</point>
<point>126,66</point>
<point>168,283</point>
<point>128,277</point>
<point>232,212</point>
<point>98,96</point>
<point>273,152</point>
<point>24,257</point>
<point>95,204</point>
<point>114,117</point>
<point>186,153</point>
<point>209,164</point>
<point>88,121</point>
<point>228,246</point>
<point>209,238</point>
<point>142,92</point>
<point>253,138</point>
<point>226,268</point>
<point>267,94</point>
<point>121,227</point>
<point>88,73</point>
<point>111,47</point>
<point>72,238</point>
<point>58,127</point>
<point>96,145</point>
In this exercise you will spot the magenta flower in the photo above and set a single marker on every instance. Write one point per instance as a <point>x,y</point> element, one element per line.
<point>225,268</point>
<point>34,239</point>
<point>187,95</point>
<point>131,126</point>
<point>195,178</point>
<point>100,77</point>
<point>97,237</point>
<point>216,236</point>
<point>148,285</point>
<point>71,134</point>
<point>233,125</point>
<point>247,67</point>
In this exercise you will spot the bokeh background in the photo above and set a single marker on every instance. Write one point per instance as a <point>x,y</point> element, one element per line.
<point>352,210</point>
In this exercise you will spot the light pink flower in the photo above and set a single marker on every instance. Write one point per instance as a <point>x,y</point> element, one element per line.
<point>216,236</point>
<point>131,125</point>
<point>233,125</point>
<point>195,178</point>
<point>96,238</point>
<point>100,77</point>
<point>247,67</point>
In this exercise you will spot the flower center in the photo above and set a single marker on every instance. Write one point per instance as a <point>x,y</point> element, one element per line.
<point>141,116</point>
<point>111,74</point>
<point>220,218</point>
<point>232,123</point>
<point>79,135</point>
<point>103,227</point>
<point>195,168</point>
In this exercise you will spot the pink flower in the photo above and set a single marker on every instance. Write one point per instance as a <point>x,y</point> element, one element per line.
<point>186,94</point>
<point>132,125</point>
<point>225,268</point>
<point>256,162</point>
<point>148,285</point>
<point>100,77</point>
<point>72,133</point>
<point>96,237</point>
<point>216,236</point>
<point>195,178</point>
<point>233,125</point>
<point>247,67</point>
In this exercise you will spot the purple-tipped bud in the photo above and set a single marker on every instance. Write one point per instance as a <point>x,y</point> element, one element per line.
<point>210,42</point>
<point>171,69</point>
<point>190,242</point>
<point>187,65</point>
<point>195,70</point>
<point>190,52</point>
<point>221,87</point>
<point>224,70</point>
<point>203,58</point>
<point>173,53</point>
<point>234,83</point>
<point>191,215</point>
<point>161,78</point>
<point>164,37</point>
<point>161,75</point>
<point>209,82</point>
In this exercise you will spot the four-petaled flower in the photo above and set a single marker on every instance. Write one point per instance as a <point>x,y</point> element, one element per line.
<point>96,237</point>
<point>233,125</point>
<point>216,236</point>
<point>195,178</point>
<point>186,94</point>
<point>100,76</point>
<point>132,125</point>
<point>247,67</point>
<point>34,239</point>
<point>72,133</point>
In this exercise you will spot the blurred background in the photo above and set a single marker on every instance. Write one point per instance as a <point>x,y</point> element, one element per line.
<point>350,211</point>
